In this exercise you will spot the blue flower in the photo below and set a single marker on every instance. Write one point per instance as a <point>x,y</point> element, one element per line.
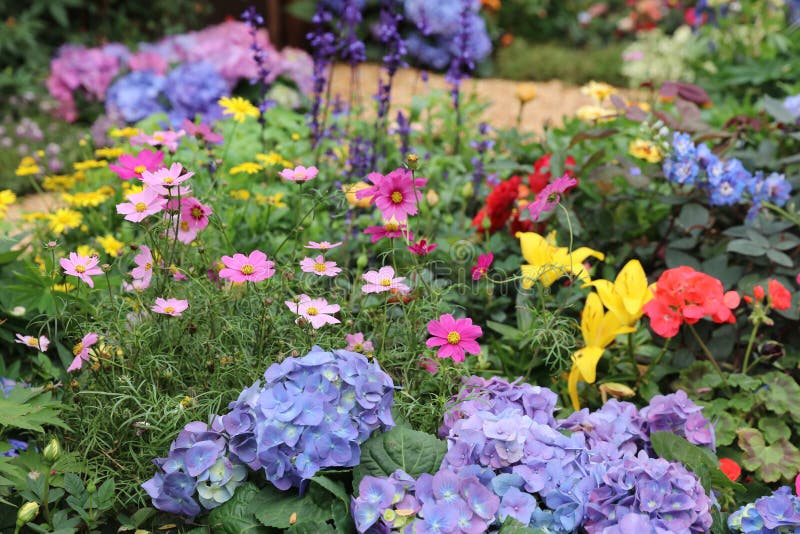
<point>194,89</point>
<point>683,146</point>
<point>135,96</point>
<point>518,505</point>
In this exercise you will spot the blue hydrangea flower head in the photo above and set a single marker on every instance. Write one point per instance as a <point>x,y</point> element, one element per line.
<point>136,95</point>
<point>194,89</point>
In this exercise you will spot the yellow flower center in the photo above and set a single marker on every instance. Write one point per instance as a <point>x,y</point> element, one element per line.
<point>247,269</point>
<point>453,338</point>
<point>184,226</point>
<point>358,347</point>
<point>148,266</point>
<point>169,180</point>
<point>319,267</point>
<point>139,169</point>
<point>197,213</point>
<point>169,309</point>
<point>397,197</point>
<point>140,206</point>
<point>32,342</point>
<point>312,311</point>
<point>80,268</point>
<point>386,282</point>
<point>77,349</point>
<point>158,137</point>
<point>392,227</point>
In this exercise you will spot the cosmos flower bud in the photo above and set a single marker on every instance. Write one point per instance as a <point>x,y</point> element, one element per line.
<point>52,450</point>
<point>412,162</point>
<point>432,197</point>
<point>526,92</point>
<point>27,512</point>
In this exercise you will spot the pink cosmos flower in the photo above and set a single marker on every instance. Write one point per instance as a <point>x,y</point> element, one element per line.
<point>383,280</point>
<point>323,246</point>
<point>143,272</point>
<point>389,230</point>
<point>195,213</point>
<point>163,181</point>
<point>454,337</point>
<point>81,351</point>
<point>396,195</point>
<point>84,267</point>
<point>185,234</point>
<point>319,266</point>
<point>356,343</point>
<point>299,174</point>
<point>430,365</point>
<point>252,268</point>
<point>202,132</point>
<point>482,268</point>
<point>133,166</point>
<point>549,197</point>
<point>315,311</point>
<point>41,343</point>
<point>421,247</point>
<point>141,205</point>
<point>166,138</point>
<point>172,307</point>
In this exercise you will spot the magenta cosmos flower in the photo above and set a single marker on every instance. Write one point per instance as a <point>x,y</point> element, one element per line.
<point>422,247</point>
<point>396,195</point>
<point>549,197</point>
<point>30,341</point>
<point>384,280</point>
<point>389,230</point>
<point>315,311</point>
<point>454,337</point>
<point>356,343</point>
<point>319,266</point>
<point>84,267</point>
<point>172,307</point>
<point>481,269</point>
<point>323,246</point>
<point>252,268</point>
<point>164,181</point>
<point>81,351</point>
<point>134,166</point>
<point>299,174</point>
<point>195,213</point>
<point>141,205</point>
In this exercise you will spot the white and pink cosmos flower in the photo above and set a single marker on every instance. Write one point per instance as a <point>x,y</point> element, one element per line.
<point>315,311</point>
<point>141,205</point>
<point>41,343</point>
<point>84,267</point>
<point>299,174</point>
<point>384,280</point>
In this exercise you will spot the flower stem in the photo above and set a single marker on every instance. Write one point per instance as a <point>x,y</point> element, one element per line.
<point>707,352</point>
<point>749,350</point>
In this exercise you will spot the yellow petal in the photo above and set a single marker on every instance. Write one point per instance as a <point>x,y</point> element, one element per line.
<point>572,385</point>
<point>591,318</point>
<point>586,360</point>
<point>631,286</point>
<point>617,390</point>
<point>535,248</point>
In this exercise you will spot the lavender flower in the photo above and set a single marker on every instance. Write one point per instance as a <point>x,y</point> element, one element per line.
<point>351,48</point>
<point>260,56</point>
<point>323,44</point>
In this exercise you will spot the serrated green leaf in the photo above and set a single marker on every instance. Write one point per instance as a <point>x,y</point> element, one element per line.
<point>780,394</point>
<point>285,509</point>
<point>780,460</point>
<point>236,516</point>
<point>400,448</point>
<point>774,429</point>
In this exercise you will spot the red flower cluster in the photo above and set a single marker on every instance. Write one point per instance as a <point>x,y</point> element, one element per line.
<point>501,203</point>
<point>779,297</point>
<point>685,295</point>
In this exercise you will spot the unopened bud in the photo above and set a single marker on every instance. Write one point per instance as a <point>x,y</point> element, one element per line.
<point>468,191</point>
<point>52,450</point>
<point>106,267</point>
<point>362,261</point>
<point>432,197</point>
<point>91,487</point>
<point>412,162</point>
<point>27,512</point>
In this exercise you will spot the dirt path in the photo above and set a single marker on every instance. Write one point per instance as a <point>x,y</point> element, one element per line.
<point>554,99</point>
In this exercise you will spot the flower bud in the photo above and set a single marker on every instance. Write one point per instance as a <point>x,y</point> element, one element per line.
<point>52,450</point>
<point>91,487</point>
<point>758,293</point>
<point>105,267</point>
<point>526,92</point>
<point>432,197</point>
<point>412,162</point>
<point>362,261</point>
<point>27,512</point>
<point>468,191</point>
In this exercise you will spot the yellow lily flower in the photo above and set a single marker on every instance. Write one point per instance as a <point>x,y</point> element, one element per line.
<point>627,295</point>
<point>548,262</point>
<point>599,328</point>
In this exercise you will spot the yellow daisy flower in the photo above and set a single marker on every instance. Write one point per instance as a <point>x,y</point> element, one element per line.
<point>240,194</point>
<point>35,216</point>
<point>111,245</point>
<point>86,250</point>
<point>646,150</point>
<point>248,166</point>
<point>595,114</point>
<point>599,91</point>
<point>7,197</point>
<point>109,152</point>
<point>64,220</point>
<point>59,182</point>
<point>27,167</point>
<point>271,200</point>
<point>273,158</point>
<point>123,132</point>
<point>89,164</point>
<point>87,199</point>
<point>238,107</point>
<point>64,288</point>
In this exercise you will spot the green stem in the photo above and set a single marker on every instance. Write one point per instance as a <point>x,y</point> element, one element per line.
<point>750,343</point>
<point>46,497</point>
<point>782,212</point>
<point>631,355</point>
<point>708,354</point>
<point>655,362</point>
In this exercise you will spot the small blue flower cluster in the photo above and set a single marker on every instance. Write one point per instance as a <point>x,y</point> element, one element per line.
<point>199,463</point>
<point>189,90</point>
<point>727,181</point>
<point>773,514</point>
<point>600,476</point>
<point>15,447</point>
<point>311,413</point>
<point>438,24</point>
<point>792,105</point>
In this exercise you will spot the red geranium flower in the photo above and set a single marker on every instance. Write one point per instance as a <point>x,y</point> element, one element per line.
<point>499,205</point>
<point>730,468</point>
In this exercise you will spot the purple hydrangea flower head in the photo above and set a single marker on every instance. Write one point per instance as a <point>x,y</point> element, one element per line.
<point>679,414</point>
<point>194,89</point>
<point>769,514</point>
<point>614,431</point>
<point>135,96</point>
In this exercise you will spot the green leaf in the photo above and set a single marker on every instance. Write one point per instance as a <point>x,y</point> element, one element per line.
<point>774,429</point>
<point>779,257</point>
<point>780,460</point>
<point>512,526</point>
<point>780,394</point>
<point>746,247</point>
<point>29,409</point>
<point>743,381</point>
<point>693,216</point>
<point>400,448</point>
<point>509,332</point>
<point>287,510</point>
<point>236,516</point>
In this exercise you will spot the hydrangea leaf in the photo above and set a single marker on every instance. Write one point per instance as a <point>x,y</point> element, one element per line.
<point>400,448</point>
<point>725,424</point>
<point>699,460</point>
<point>236,515</point>
<point>318,510</point>
<point>780,394</point>
<point>512,526</point>
<point>771,462</point>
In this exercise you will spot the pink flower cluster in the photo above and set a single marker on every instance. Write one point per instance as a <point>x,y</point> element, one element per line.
<point>75,69</point>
